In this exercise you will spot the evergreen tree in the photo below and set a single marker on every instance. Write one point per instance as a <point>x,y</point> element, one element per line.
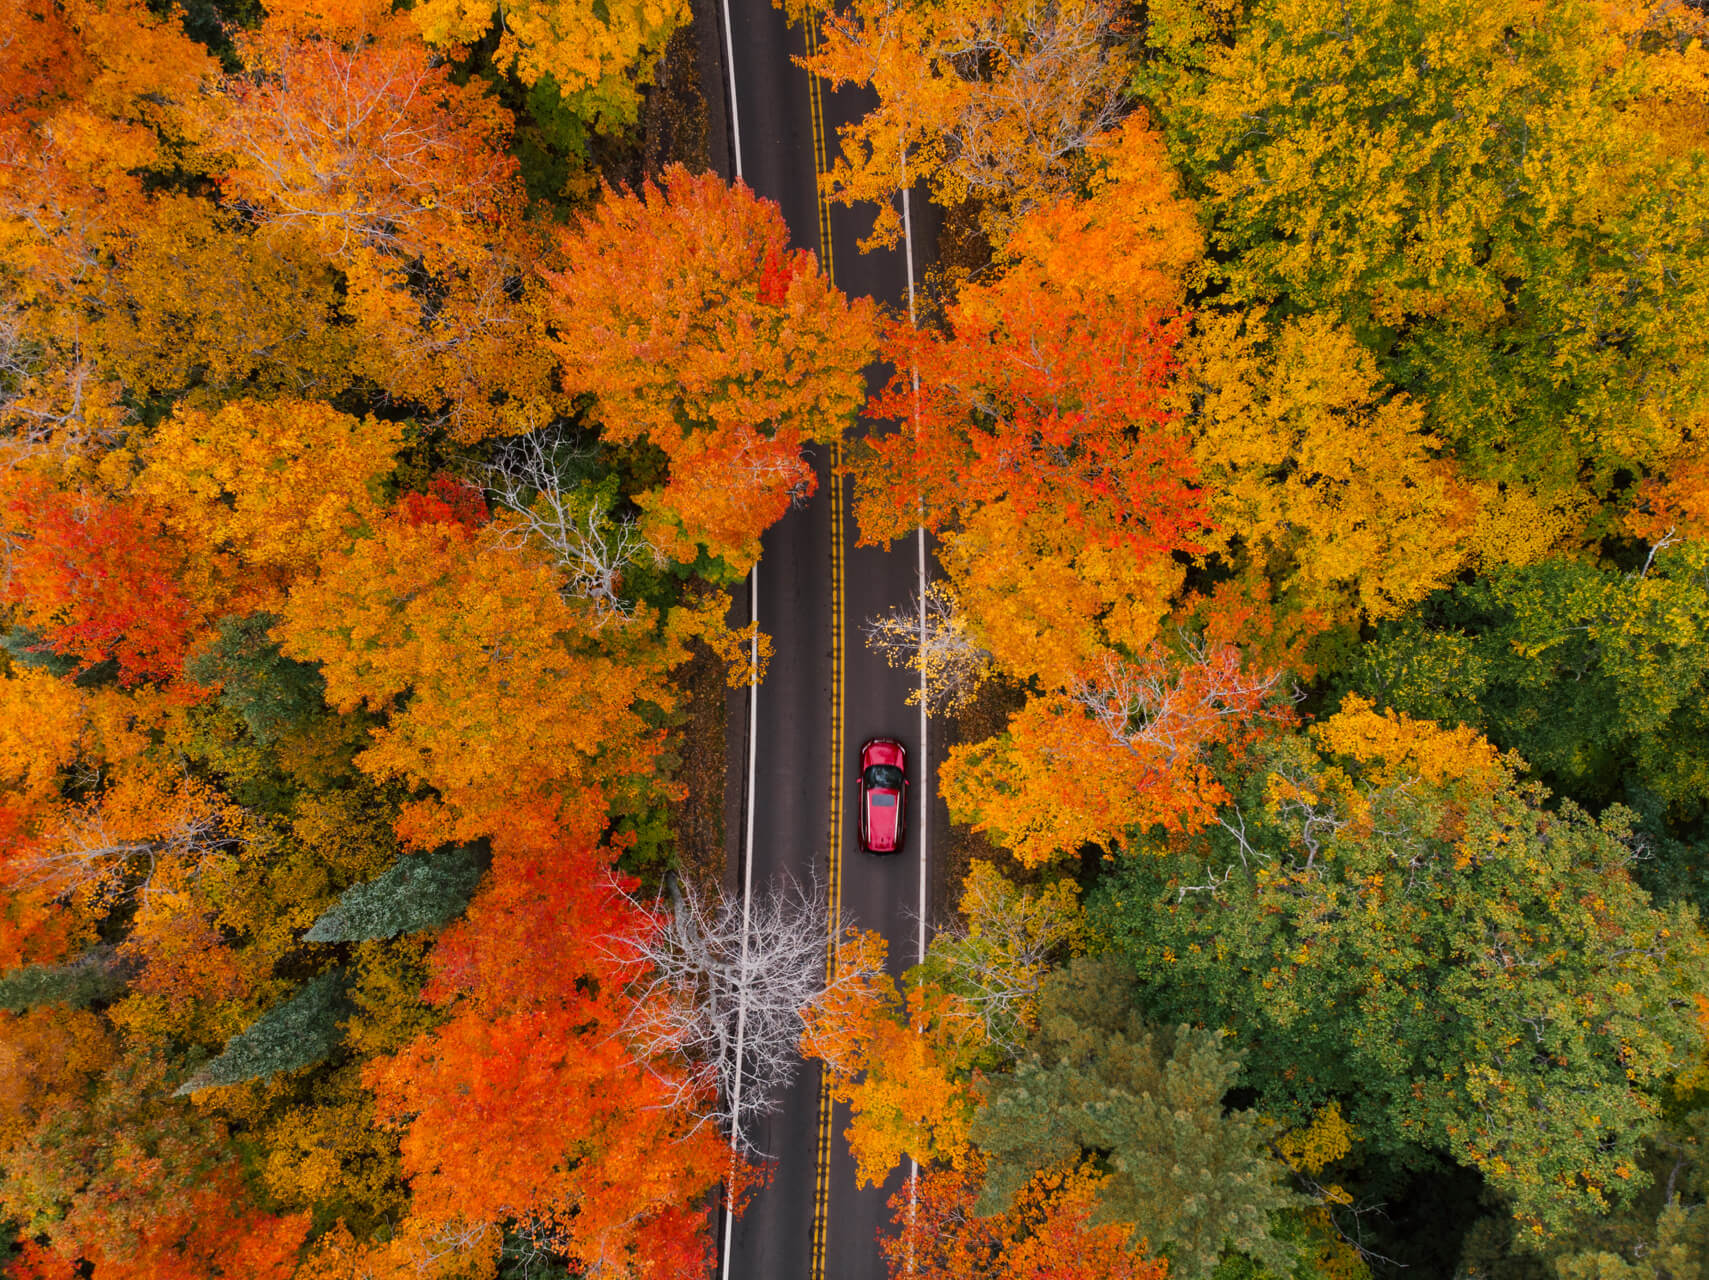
<point>418,891</point>
<point>302,1030</point>
<point>1096,1079</point>
<point>90,978</point>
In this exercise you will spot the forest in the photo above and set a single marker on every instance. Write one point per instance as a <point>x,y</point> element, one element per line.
<point>1310,405</point>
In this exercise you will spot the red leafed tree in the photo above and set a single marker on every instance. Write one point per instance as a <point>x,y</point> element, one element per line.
<point>97,580</point>
<point>1049,403</point>
<point>447,500</point>
<point>526,1106</point>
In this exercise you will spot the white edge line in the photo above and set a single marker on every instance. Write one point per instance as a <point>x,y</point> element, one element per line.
<point>925,771</point>
<point>753,724</point>
<point>747,903</point>
<point>730,68</point>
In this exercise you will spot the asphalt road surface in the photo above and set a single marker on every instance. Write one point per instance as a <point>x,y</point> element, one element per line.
<point>825,694</point>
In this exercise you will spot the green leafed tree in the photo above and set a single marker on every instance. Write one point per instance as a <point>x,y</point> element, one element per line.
<point>418,891</point>
<point>301,1031</point>
<point>1599,679</point>
<point>1390,918</point>
<point>92,977</point>
<point>1096,1080</point>
<point>1680,1247</point>
<point>268,690</point>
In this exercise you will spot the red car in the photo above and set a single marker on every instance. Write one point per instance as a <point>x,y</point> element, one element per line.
<point>883,795</point>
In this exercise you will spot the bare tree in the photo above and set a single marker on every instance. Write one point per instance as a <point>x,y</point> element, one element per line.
<point>1061,86</point>
<point>92,849</point>
<point>1164,709</point>
<point>725,995</point>
<point>929,636</point>
<point>588,543</point>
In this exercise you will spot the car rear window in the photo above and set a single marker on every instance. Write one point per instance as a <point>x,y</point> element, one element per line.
<point>883,800</point>
<point>884,777</point>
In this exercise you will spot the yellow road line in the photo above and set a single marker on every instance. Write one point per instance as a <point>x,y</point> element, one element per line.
<point>834,889</point>
<point>816,106</point>
<point>821,1206</point>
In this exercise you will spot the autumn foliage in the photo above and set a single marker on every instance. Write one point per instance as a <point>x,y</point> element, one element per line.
<point>268,636</point>
<point>1307,404</point>
<point>525,1106</point>
<point>1050,1232</point>
<point>699,330</point>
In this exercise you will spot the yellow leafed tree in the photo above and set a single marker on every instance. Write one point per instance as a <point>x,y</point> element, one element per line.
<point>274,487</point>
<point>900,1061</point>
<point>1321,480</point>
<point>598,54</point>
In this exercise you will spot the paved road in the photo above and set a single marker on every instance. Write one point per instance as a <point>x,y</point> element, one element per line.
<point>825,694</point>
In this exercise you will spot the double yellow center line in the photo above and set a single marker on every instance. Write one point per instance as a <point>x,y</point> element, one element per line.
<point>834,889</point>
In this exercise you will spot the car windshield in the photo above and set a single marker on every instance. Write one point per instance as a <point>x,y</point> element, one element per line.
<point>883,800</point>
<point>884,777</point>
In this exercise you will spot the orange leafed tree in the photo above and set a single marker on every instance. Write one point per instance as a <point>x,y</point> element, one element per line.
<point>1126,747</point>
<point>266,490</point>
<point>1132,237</point>
<point>1040,442</point>
<point>684,312</point>
<point>350,133</point>
<point>526,1106</point>
<point>501,694</point>
<point>365,141</point>
<point>92,105</point>
<point>902,1061</point>
<point>1049,1234</point>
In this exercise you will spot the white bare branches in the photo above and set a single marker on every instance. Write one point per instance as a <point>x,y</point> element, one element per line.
<point>588,544</point>
<point>1164,712</point>
<point>91,850</point>
<point>1061,88</point>
<point>702,981</point>
<point>928,636</point>
<point>1667,540</point>
<point>996,953</point>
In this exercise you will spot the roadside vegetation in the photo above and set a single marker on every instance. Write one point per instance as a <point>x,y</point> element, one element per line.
<point>1311,411</point>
